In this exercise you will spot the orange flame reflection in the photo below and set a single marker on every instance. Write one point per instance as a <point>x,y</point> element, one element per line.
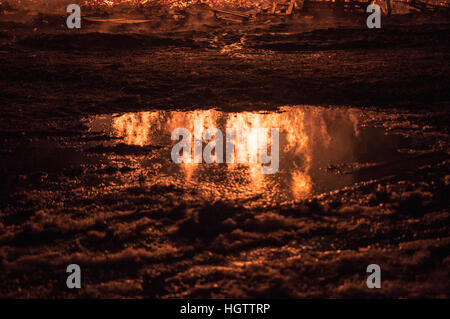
<point>309,137</point>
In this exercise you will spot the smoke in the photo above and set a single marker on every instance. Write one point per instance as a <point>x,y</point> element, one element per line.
<point>142,16</point>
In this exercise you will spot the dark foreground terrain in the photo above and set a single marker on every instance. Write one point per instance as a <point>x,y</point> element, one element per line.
<point>76,191</point>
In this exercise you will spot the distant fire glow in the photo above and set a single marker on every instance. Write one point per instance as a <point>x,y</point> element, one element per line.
<point>143,3</point>
<point>170,3</point>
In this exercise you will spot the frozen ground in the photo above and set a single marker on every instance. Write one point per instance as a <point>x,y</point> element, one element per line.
<point>86,177</point>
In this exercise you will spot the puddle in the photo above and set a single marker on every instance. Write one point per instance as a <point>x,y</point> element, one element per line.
<point>320,150</point>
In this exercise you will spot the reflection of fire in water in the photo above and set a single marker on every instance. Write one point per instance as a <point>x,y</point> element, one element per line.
<point>136,128</point>
<point>308,137</point>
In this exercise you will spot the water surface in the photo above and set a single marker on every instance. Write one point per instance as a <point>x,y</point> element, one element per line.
<point>321,149</point>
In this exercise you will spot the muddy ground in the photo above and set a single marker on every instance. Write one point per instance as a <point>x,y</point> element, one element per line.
<point>63,201</point>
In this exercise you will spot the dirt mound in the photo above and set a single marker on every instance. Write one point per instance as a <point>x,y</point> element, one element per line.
<point>348,39</point>
<point>99,41</point>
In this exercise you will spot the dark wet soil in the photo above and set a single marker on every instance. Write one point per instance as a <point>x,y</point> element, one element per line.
<point>75,193</point>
